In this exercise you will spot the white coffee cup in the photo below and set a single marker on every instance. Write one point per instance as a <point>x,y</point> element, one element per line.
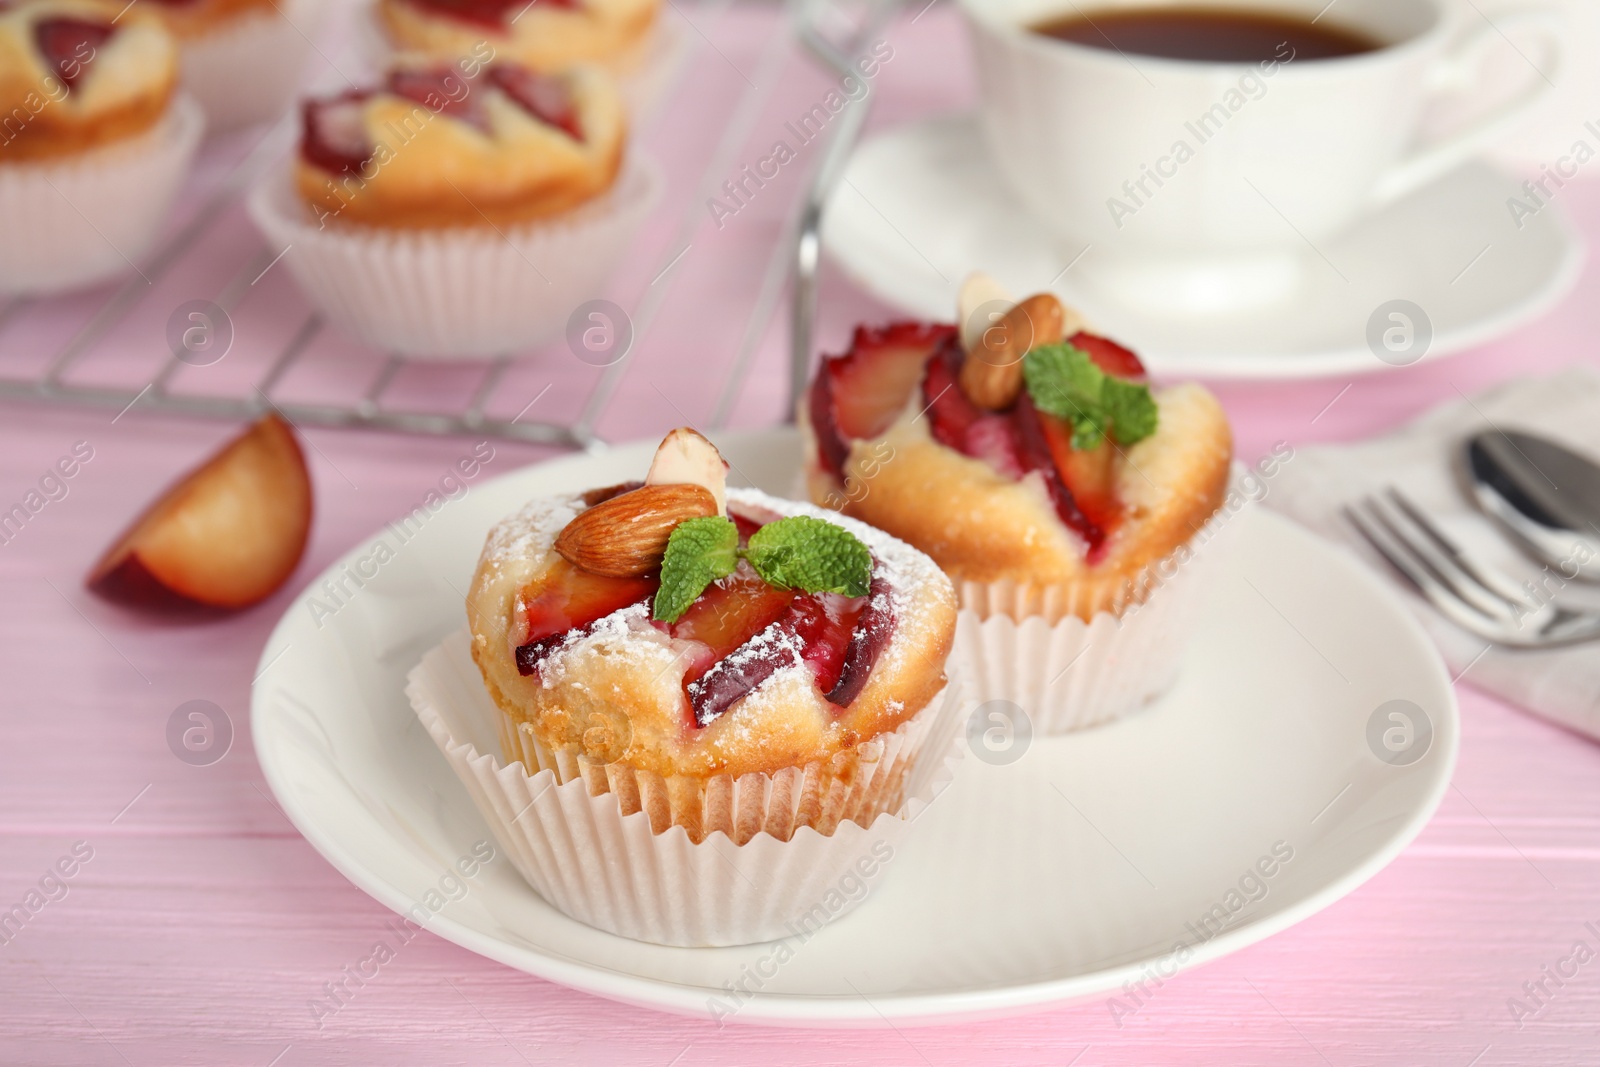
<point>1209,187</point>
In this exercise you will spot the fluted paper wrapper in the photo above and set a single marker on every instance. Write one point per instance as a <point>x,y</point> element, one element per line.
<point>248,70</point>
<point>71,223</point>
<point>565,829</point>
<point>468,292</point>
<point>1030,646</point>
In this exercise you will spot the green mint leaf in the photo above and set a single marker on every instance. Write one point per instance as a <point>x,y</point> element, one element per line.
<point>698,553</point>
<point>810,554</point>
<point>1132,410</point>
<point>1065,382</point>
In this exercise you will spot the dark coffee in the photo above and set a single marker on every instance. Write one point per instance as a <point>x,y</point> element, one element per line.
<point>1210,34</point>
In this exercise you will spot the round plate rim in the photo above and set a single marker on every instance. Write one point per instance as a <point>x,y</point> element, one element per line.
<point>843,1010</point>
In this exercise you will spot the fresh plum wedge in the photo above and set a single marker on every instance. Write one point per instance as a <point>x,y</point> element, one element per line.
<point>856,396</point>
<point>570,599</point>
<point>226,535</point>
<point>873,627</point>
<point>1037,455</point>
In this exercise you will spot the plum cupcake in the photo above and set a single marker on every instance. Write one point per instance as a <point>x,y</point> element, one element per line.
<point>94,144</point>
<point>710,703</point>
<point>459,209</point>
<point>242,59</point>
<point>1072,504</point>
<point>552,35</point>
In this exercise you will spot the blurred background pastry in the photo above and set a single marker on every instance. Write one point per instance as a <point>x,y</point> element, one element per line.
<point>432,147</point>
<point>459,209</point>
<point>94,140</point>
<point>243,60</point>
<point>549,35</point>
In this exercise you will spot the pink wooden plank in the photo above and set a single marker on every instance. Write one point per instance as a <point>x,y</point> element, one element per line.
<point>203,925</point>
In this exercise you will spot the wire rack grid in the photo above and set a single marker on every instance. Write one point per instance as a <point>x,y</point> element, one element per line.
<point>793,257</point>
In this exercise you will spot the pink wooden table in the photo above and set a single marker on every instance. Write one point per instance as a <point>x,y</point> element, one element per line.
<point>201,926</point>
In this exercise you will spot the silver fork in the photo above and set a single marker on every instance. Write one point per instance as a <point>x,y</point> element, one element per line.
<point>1477,597</point>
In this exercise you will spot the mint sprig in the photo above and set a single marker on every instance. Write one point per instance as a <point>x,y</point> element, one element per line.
<point>699,551</point>
<point>811,554</point>
<point>798,552</point>
<point>1065,382</point>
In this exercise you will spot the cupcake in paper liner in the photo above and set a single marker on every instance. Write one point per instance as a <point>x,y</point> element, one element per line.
<point>459,210</point>
<point>95,145</point>
<point>243,59</point>
<point>723,668</point>
<point>618,35</point>
<point>581,852</point>
<point>1073,505</point>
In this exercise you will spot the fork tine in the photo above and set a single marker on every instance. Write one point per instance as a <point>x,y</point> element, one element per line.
<point>1422,579</point>
<point>1445,567</point>
<point>1491,578</point>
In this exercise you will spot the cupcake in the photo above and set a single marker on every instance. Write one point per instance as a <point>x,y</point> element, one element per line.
<point>439,214</point>
<point>709,702</point>
<point>94,140</point>
<point>1032,460</point>
<point>552,35</point>
<point>242,59</point>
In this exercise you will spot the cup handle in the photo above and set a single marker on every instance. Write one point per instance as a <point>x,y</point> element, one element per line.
<point>1455,73</point>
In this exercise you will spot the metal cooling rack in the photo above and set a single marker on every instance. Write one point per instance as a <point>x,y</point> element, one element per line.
<point>796,255</point>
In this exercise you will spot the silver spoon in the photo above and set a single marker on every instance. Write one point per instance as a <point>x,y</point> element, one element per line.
<point>1544,494</point>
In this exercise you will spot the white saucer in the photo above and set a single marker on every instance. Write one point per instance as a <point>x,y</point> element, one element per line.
<point>920,207</point>
<point>1063,875</point>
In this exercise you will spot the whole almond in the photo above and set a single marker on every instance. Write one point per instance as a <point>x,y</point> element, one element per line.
<point>991,375</point>
<point>626,536</point>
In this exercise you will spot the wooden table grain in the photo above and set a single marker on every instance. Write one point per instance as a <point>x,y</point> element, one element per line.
<point>173,916</point>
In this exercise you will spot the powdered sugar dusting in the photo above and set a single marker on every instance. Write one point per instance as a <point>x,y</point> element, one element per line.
<point>526,538</point>
<point>530,533</point>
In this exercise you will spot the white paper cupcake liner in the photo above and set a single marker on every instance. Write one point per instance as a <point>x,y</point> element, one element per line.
<point>249,69</point>
<point>1070,674</point>
<point>458,293</point>
<point>615,872</point>
<point>73,222</point>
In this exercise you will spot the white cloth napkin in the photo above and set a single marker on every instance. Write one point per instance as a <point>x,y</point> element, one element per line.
<point>1424,461</point>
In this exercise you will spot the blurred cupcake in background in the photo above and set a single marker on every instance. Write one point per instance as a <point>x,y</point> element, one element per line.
<point>550,35</point>
<point>243,59</point>
<point>459,209</point>
<point>627,38</point>
<point>95,140</point>
<point>1073,504</point>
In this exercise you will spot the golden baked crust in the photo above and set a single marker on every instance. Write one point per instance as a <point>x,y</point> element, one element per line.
<point>429,168</point>
<point>105,92</point>
<point>546,36</point>
<point>188,19</point>
<point>616,694</point>
<point>989,528</point>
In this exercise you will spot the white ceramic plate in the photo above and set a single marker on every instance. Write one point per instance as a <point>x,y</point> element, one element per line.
<point>920,207</point>
<point>1062,875</point>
